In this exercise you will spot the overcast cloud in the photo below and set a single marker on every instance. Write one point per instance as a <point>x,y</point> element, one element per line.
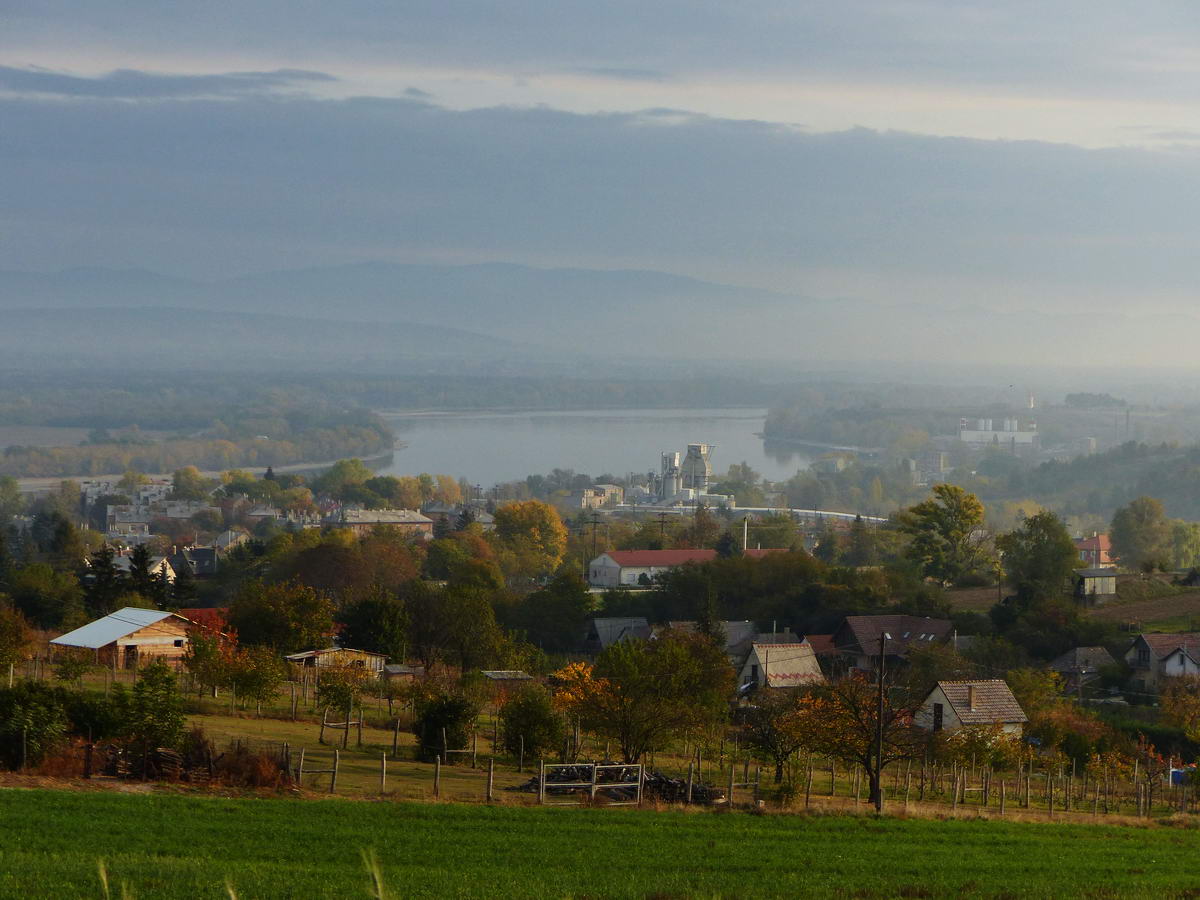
<point>1025,154</point>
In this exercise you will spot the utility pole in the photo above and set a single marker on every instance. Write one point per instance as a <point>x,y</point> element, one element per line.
<point>879,729</point>
<point>595,522</point>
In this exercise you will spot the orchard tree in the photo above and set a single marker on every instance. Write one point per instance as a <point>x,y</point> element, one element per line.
<point>948,541</point>
<point>1038,557</point>
<point>842,720</point>
<point>154,716</point>
<point>1141,534</point>
<point>644,693</point>
<point>529,721</point>
<point>15,635</point>
<point>773,725</point>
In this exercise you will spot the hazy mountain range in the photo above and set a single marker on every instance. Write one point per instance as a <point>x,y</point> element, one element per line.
<point>382,313</point>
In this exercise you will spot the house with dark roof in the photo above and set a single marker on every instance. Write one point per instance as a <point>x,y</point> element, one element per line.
<point>1154,657</point>
<point>604,632</point>
<point>779,665</point>
<point>1081,666</point>
<point>858,638</point>
<point>952,705</point>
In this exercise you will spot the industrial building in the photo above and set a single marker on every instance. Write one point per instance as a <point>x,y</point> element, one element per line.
<point>683,479</point>
<point>980,434</point>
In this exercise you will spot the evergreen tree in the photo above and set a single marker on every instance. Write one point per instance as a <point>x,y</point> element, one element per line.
<point>104,583</point>
<point>269,475</point>
<point>466,516</point>
<point>183,591</point>
<point>861,551</point>
<point>141,579</point>
<point>726,546</point>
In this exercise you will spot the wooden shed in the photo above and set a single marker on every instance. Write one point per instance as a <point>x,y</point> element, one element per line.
<point>340,657</point>
<point>131,637</point>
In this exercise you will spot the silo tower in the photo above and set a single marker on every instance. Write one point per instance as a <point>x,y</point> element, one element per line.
<point>697,469</point>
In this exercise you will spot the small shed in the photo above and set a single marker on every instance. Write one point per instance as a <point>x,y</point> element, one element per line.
<point>131,636</point>
<point>952,705</point>
<point>1094,585</point>
<point>506,681</point>
<point>339,657</point>
<point>396,672</point>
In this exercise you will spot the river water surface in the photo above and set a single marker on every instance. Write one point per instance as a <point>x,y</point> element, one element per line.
<point>488,447</point>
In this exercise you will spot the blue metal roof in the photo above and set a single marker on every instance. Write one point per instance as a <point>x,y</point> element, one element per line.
<point>112,627</point>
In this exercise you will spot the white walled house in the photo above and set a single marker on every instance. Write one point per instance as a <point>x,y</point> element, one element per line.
<point>633,567</point>
<point>1156,656</point>
<point>952,705</point>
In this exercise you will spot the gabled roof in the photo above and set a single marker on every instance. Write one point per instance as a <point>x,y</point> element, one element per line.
<point>822,644</point>
<point>902,633</point>
<point>1162,645</point>
<point>994,702</point>
<point>506,675</point>
<point>1095,542</point>
<point>1086,659</point>
<point>1098,572</point>
<point>384,517</point>
<point>787,665</point>
<point>608,631</point>
<point>309,654</point>
<point>659,558</point>
<point>112,627</point>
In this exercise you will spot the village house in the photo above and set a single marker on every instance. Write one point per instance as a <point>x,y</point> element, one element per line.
<point>364,521</point>
<point>1081,666</point>
<point>131,637</point>
<point>604,632</point>
<point>739,635</point>
<point>639,567</point>
<point>857,639</point>
<point>1095,551</point>
<point>1154,657</point>
<point>159,566</point>
<point>775,665</point>
<point>952,705</point>
<point>339,657</point>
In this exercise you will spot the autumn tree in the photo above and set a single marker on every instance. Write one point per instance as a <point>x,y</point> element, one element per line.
<point>377,621</point>
<point>188,484</point>
<point>15,635</point>
<point>948,541</point>
<point>529,721</point>
<point>288,617</point>
<point>1141,534</point>
<point>1038,557</point>
<point>842,720</point>
<point>48,598</point>
<point>643,693</point>
<point>533,534</point>
<point>773,725</point>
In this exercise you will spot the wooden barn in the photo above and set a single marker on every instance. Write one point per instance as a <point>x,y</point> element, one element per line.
<point>131,637</point>
<point>340,657</point>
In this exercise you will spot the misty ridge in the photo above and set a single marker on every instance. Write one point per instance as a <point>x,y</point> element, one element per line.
<point>393,315</point>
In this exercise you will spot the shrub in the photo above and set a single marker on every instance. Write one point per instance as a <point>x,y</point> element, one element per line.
<point>32,718</point>
<point>340,687</point>
<point>451,712</point>
<point>529,713</point>
<point>154,715</point>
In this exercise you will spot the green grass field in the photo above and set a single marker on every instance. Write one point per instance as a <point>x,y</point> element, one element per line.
<point>162,845</point>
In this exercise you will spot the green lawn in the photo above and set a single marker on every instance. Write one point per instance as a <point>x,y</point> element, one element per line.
<point>162,845</point>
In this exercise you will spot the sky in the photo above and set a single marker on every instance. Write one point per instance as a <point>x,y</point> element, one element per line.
<point>1023,155</point>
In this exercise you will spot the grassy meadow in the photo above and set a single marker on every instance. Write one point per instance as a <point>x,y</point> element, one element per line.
<point>167,845</point>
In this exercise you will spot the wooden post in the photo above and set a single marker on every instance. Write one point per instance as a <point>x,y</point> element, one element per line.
<point>324,718</point>
<point>689,781</point>
<point>699,764</point>
<point>729,799</point>
<point>954,794</point>
<point>360,724</point>
<point>757,782</point>
<point>336,762</point>
<point>832,777</point>
<point>437,777</point>
<point>808,783</point>
<point>395,737</point>
<point>592,788</point>
<point>474,747</point>
<point>1096,803</point>
<point>495,733</point>
<point>541,780</point>
<point>1028,773</point>
<point>293,687</point>
<point>382,772</point>
<point>521,756</point>
<point>907,787</point>
<point>300,769</point>
<point>1050,796</point>
<point>1003,795</point>
<point>491,780</point>
<point>444,747</point>
<point>857,783</point>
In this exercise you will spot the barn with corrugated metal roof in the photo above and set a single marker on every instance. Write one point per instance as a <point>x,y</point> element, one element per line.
<point>130,637</point>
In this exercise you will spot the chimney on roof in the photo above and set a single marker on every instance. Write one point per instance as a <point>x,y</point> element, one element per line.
<point>971,697</point>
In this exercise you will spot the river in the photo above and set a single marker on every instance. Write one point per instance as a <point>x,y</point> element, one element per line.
<point>489,447</point>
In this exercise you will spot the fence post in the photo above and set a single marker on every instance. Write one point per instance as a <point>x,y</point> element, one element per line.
<point>592,789</point>
<point>437,777</point>
<point>521,757</point>
<point>757,782</point>
<point>808,783</point>
<point>1003,795</point>
<point>474,747</point>
<point>300,770</point>
<point>395,737</point>
<point>641,777</point>
<point>336,761</point>
<point>491,781</point>
<point>87,760</point>
<point>729,799</point>
<point>361,716</point>
<point>324,721</point>
<point>689,781</point>
<point>954,795</point>
<point>541,780</point>
<point>382,772</point>
<point>346,727</point>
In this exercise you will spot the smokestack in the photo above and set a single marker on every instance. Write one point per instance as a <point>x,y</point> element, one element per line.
<point>971,697</point>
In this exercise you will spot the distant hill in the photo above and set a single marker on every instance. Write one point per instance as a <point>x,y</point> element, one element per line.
<point>159,337</point>
<point>636,314</point>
